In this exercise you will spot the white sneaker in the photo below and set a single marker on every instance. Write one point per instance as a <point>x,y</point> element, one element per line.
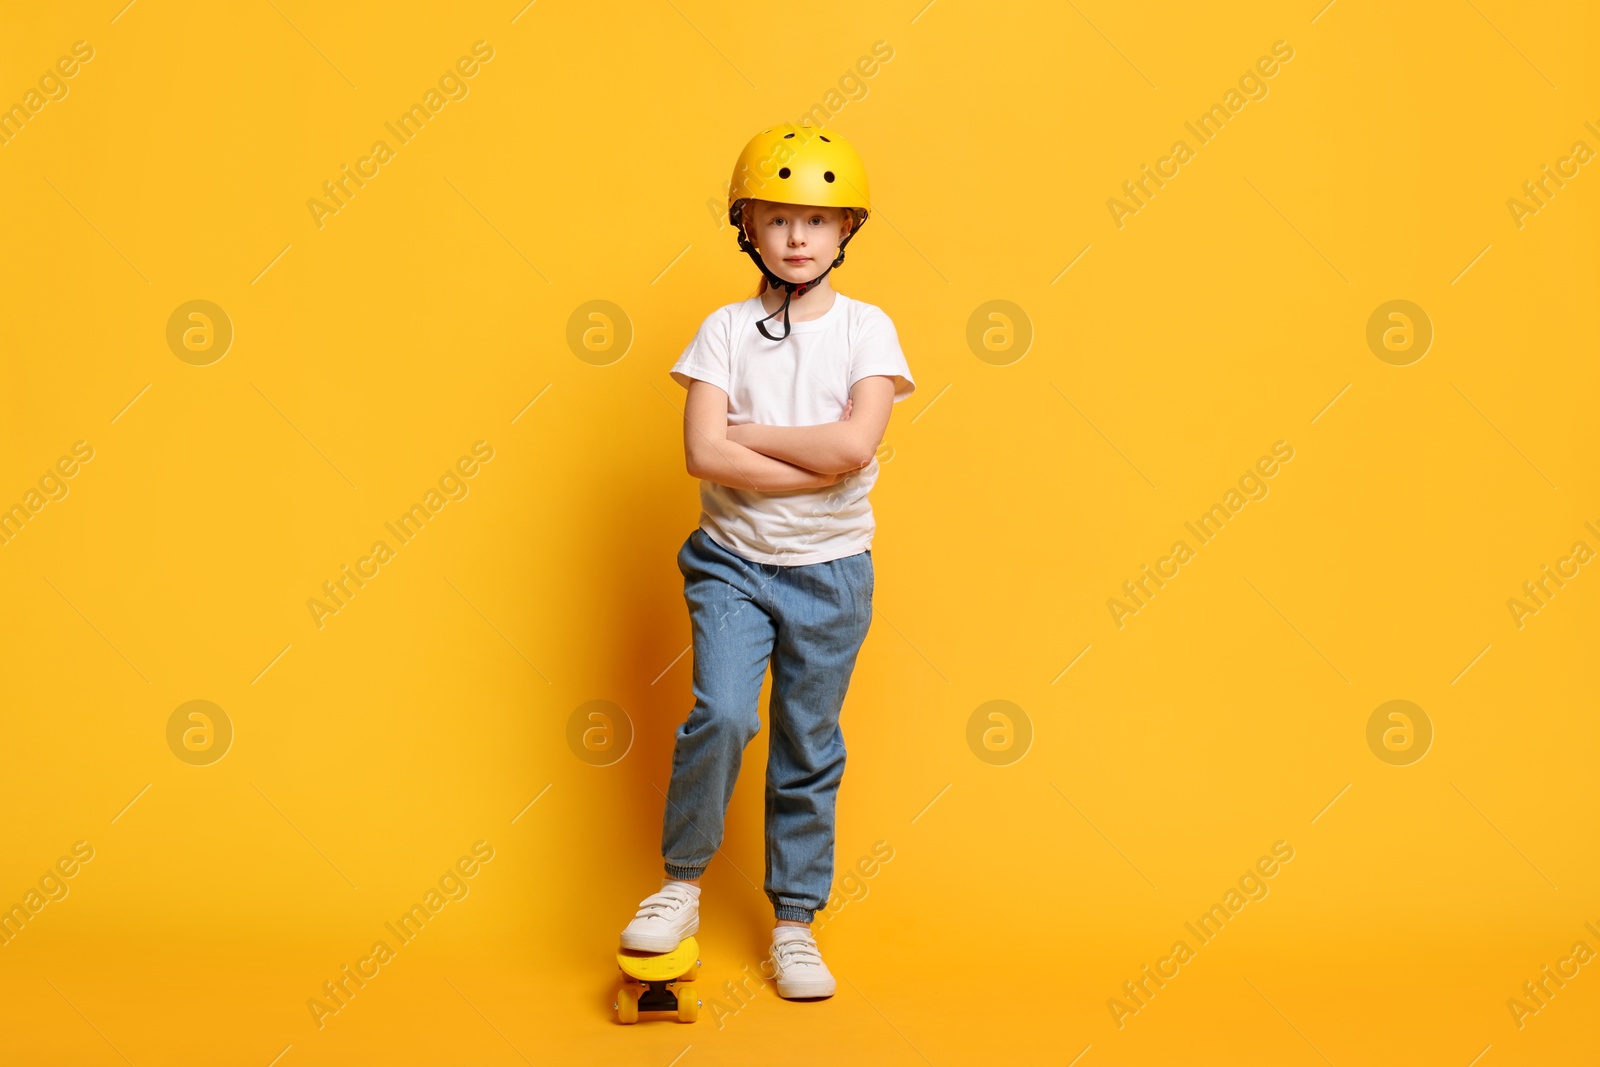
<point>664,919</point>
<point>797,964</point>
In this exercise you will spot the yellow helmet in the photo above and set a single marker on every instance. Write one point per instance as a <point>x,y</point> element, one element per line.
<point>805,165</point>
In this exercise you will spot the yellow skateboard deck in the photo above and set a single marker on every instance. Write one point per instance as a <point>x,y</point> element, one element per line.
<point>659,967</point>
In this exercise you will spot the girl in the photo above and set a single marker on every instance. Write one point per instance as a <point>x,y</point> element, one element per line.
<point>782,429</point>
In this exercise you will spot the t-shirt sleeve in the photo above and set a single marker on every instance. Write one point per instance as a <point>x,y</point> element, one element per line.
<point>707,354</point>
<point>876,350</point>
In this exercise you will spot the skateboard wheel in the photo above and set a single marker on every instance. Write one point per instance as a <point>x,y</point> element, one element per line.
<point>689,975</point>
<point>628,1004</point>
<point>688,1004</point>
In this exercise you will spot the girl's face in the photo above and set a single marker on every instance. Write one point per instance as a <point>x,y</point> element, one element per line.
<point>797,242</point>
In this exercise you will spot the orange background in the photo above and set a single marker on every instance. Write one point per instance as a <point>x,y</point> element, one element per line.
<point>1135,374</point>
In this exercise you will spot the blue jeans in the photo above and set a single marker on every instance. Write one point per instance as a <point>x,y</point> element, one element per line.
<point>809,621</point>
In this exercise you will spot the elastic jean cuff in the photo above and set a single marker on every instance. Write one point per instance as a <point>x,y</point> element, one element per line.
<point>789,911</point>
<point>685,874</point>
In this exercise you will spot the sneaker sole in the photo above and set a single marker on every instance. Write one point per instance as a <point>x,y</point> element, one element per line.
<point>647,943</point>
<point>806,990</point>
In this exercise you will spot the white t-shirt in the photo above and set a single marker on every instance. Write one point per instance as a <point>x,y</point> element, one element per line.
<point>803,380</point>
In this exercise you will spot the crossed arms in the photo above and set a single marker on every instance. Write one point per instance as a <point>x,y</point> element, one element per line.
<point>776,458</point>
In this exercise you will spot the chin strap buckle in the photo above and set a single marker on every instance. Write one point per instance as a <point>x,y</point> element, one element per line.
<point>784,310</point>
<point>790,290</point>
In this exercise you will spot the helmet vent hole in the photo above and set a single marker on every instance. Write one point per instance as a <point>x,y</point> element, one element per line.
<point>825,138</point>
<point>827,175</point>
<point>784,173</point>
<point>787,136</point>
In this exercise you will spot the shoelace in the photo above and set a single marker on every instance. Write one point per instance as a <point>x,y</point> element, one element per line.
<point>660,905</point>
<point>799,951</point>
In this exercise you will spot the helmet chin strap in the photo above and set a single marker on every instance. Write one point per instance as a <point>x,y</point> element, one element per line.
<point>790,289</point>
